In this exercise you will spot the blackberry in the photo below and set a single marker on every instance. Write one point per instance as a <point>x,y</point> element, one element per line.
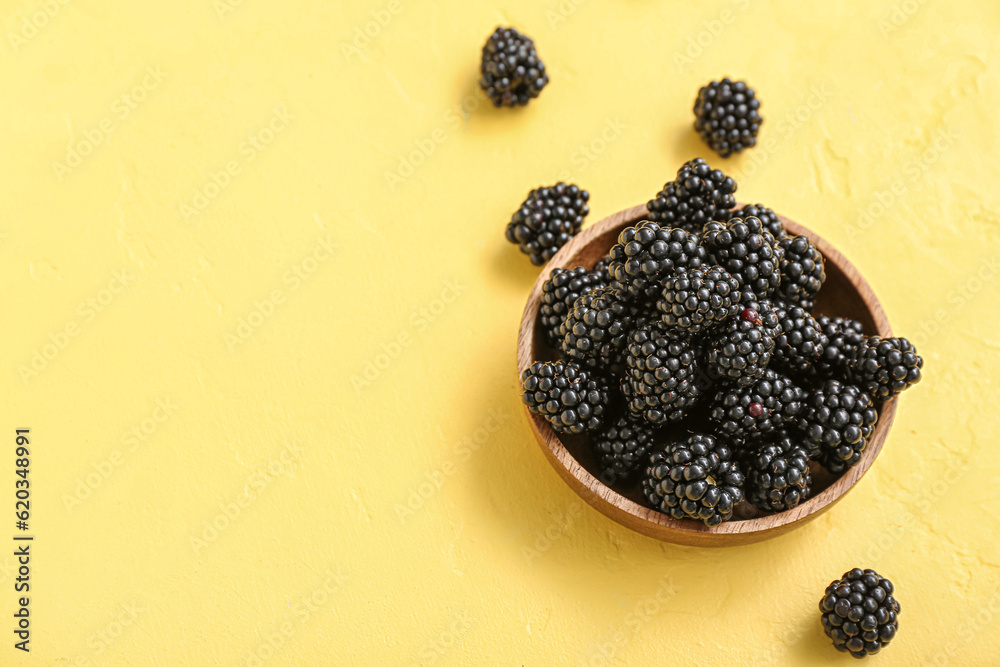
<point>767,217</point>
<point>662,381</point>
<point>694,479</point>
<point>646,252</point>
<point>884,367</point>
<point>547,219</point>
<point>559,292</point>
<point>512,72</point>
<point>697,300</point>
<point>802,269</point>
<point>741,350</point>
<point>842,336</point>
<point>800,344</point>
<point>698,195</point>
<point>568,397</point>
<point>769,403</point>
<point>748,251</point>
<point>595,331</point>
<point>777,474</point>
<point>838,420</point>
<point>622,447</point>
<point>727,116</point>
<point>860,614</point>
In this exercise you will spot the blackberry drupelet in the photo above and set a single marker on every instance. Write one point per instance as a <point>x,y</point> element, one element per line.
<point>777,473</point>
<point>842,336</point>
<point>697,300</point>
<point>547,219</point>
<point>698,195</point>
<point>727,116</point>
<point>802,269</point>
<point>800,344</point>
<point>767,217</point>
<point>646,252</point>
<point>741,350</point>
<point>838,420</point>
<point>661,381</point>
<point>885,367</point>
<point>568,397</point>
<point>860,614</point>
<point>559,292</point>
<point>512,72</point>
<point>622,447</point>
<point>595,331</point>
<point>769,403</point>
<point>748,251</point>
<point>694,479</point>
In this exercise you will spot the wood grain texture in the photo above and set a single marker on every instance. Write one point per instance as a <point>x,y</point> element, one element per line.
<point>845,293</point>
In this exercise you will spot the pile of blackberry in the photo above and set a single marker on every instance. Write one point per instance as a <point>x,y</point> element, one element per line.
<point>692,360</point>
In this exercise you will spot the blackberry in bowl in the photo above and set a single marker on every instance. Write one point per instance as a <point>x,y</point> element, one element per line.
<point>773,477</point>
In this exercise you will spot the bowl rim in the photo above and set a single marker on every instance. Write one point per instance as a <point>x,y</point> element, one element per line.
<point>651,522</point>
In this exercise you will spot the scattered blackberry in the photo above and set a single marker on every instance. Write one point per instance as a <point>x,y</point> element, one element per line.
<point>741,350</point>
<point>662,381</point>
<point>860,614</point>
<point>842,336</point>
<point>800,344</point>
<point>837,421</point>
<point>727,116</point>
<point>777,473</point>
<point>767,217</point>
<point>769,403</point>
<point>698,195</point>
<point>622,447</point>
<point>559,292</point>
<point>884,367</point>
<point>595,331</point>
<point>512,72</point>
<point>748,251</point>
<point>694,479</point>
<point>568,397</point>
<point>547,219</point>
<point>802,269</point>
<point>646,252</point>
<point>697,300</point>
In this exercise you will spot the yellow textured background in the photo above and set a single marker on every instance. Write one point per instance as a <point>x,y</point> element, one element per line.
<point>274,411</point>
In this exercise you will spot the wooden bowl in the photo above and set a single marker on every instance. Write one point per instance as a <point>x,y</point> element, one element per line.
<point>845,293</point>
